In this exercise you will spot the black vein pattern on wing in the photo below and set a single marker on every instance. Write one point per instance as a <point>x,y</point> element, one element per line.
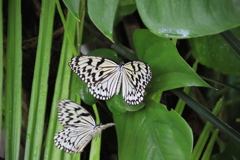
<point>136,76</point>
<point>101,75</point>
<point>106,87</point>
<point>73,139</point>
<point>72,114</point>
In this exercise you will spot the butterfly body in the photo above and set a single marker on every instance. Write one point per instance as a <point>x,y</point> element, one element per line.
<point>104,77</point>
<point>81,127</point>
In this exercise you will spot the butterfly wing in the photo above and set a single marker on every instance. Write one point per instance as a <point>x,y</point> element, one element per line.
<point>135,77</point>
<point>72,114</point>
<point>73,139</point>
<point>101,75</point>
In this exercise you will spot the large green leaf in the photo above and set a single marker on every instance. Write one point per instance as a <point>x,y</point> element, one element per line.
<point>152,133</point>
<point>102,14</point>
<point>189,18</point>
<point>169,70</point>
<point>214,52</point>
<point>117,104</point>
<point>125,7</point>
<point>73,7</point>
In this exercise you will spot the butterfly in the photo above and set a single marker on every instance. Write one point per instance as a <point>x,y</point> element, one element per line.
<point>80,127</point>
<point>104,77</point>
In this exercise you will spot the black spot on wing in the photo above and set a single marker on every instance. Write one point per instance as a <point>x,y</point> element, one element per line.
<point>89,62</point>
<point>100,62</point>
<point>85,114</point>
<point>101,73</point>
<point>134,69</point>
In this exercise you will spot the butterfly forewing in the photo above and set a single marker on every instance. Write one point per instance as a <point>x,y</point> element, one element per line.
<point>135,77</point>
<point>81,127</point>
<point>101,75</point>
<point>72,114</point>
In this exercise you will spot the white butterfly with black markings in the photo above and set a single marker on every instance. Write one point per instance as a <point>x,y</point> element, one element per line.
<point>104,77</point>
<point>80,127</point>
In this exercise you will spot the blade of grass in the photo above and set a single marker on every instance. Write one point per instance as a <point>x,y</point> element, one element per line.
<point>205,113</point>
<point>70,39</point>
<point>13,103</point>
<point>95,144</point>
<point>208,151</point>
<point>40,83</point>
<point>1,66</point>
<point>198,149</point>
<point>61,90</point>
<point>62,83</point>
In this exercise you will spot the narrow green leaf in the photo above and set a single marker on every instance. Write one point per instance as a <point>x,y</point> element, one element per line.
<point>102,13</point>
<point>188,18</point>
<point>198,149</point>
<point>181,104</point>
<point>70,38</point>
<point>232,40</point>
<point>13,93</point>
<point>40,83</point>
<point>205,113</point>
<point>61,92</point>
<point>64,82</point>
<point>210,145</point>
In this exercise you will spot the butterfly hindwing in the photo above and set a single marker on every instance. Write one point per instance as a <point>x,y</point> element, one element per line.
<point>81,127</point>
<point>135,77</point>
<point>72,139</point>
<point>100,74</point>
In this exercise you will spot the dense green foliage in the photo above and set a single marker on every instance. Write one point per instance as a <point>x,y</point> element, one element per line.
<point>170,36</point>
